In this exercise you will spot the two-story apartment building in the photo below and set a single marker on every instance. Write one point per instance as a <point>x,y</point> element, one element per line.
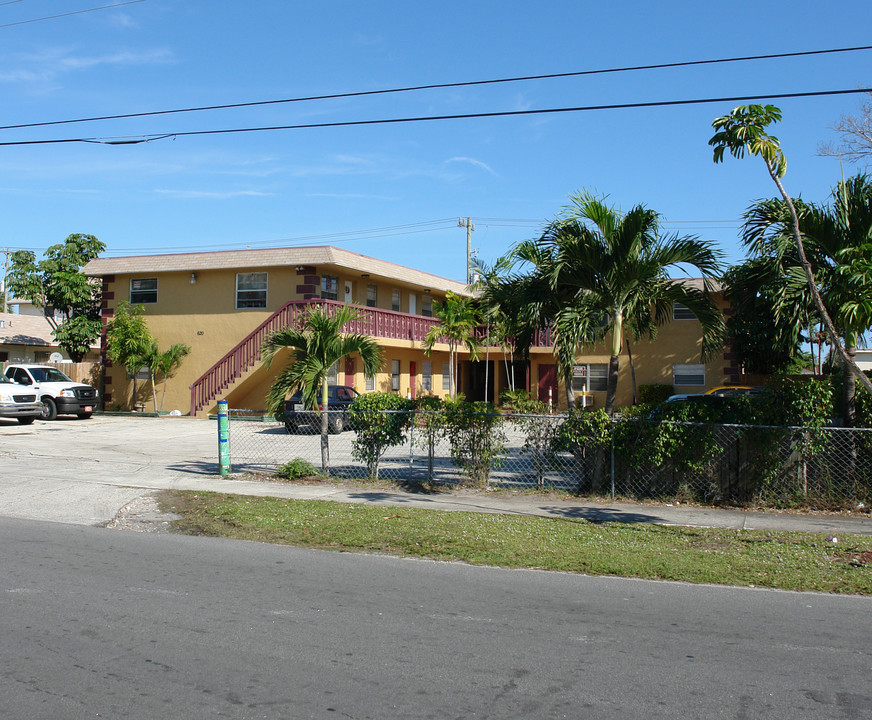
<point>224,304</point>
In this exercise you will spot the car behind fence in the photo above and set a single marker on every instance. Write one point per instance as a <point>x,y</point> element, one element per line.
<point>633,458</point>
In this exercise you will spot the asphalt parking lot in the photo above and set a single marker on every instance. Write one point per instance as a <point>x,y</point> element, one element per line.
<point>103,471</point>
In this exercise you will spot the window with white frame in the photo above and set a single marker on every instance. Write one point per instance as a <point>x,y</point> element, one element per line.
<point>590,377</point>
<point>446,376</point>
<point>427,306</point>
<point>251,290</point>
<point>369,383</point>
<point>682,312</point>
<point>143,291</point>
<point>333,374</point>
<point>395,375</point>
<point>329,287</point>
<point>688,374</point>
<point>427,375</point>
<point>372,295</point>
<point>396,300</point>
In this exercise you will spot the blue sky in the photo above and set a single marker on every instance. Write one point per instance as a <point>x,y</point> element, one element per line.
<point>395,191</point>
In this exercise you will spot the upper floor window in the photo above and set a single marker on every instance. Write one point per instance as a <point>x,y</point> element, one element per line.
<point>143,291</point>
<point>396,299</point>
<point>682,312</point>
<point>329,287</point>
<point>427,306</point>
<point>372,295</point>
<point>251,290</point>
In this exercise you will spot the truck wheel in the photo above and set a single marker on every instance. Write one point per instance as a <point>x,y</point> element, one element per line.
<point>49,409</point>
<point>26,420</point>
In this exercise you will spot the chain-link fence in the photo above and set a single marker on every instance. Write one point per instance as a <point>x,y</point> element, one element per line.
<point>633,458</point>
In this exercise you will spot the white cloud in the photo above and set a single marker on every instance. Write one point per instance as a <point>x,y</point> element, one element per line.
<point>471,161</point>
<point>351,196</point>
<point>211,195</point>
<point>47,66</point>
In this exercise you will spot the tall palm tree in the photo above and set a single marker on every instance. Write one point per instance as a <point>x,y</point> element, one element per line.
<point>837,240</point>
<point>316,344</point>
<point>458,320</point>
<point>605,273</point>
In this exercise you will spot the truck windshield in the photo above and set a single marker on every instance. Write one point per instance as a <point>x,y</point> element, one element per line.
<point>41,374</point>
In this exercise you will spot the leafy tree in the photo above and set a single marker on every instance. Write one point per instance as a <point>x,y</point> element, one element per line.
<point>837,239</point>
<point>458,319</point>
<point>56,285</point>
<point>744,130</point>
<point>129,342</point>
<point>316,344</point>
<point>381,420</point>
<point>597,273</point>
<point>761,340</point>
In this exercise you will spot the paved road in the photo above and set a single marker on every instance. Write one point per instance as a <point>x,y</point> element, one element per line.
<point>85,472</point>
<point>125,625</point>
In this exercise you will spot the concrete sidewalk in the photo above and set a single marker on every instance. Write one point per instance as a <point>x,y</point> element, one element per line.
<point>104,469</point>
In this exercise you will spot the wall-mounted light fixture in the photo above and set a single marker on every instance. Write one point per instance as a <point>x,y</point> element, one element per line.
<point>364,275</point>
<point>427,290</point>
<point>300,268</point>
<point>193,278</point>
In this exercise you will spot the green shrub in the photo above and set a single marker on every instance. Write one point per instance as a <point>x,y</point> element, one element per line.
<point>429,427</point>
<point>653,394</point>
<point>380,420</point>
<point>477,439</point>
<point>296,469</point>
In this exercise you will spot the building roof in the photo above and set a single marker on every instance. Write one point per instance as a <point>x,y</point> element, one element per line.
<point>271,257</point>
<point>18,329</point>
<point>25,330</point>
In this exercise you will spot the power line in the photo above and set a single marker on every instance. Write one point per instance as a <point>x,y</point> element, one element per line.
<point>139,139</point>
<point>67,14</point>
<point>435,86</point>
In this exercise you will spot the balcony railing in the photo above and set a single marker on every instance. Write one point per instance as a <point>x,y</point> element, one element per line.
<point>374,322</point>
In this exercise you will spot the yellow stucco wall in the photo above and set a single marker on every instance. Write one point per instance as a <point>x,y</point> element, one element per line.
<point>203,315</point>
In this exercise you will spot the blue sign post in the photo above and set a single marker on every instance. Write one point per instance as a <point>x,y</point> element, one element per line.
<point>223,437</point>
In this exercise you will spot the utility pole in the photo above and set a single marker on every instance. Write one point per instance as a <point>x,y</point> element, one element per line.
<point>4,300</point>
<point>469,228</point>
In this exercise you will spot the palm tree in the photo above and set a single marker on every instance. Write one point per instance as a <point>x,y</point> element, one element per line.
<point>458,320</point>
<point>317,344</point>
<point>836,240</point>
<point>745,130</point>
<point>165,363</point>
<point>597,273</point>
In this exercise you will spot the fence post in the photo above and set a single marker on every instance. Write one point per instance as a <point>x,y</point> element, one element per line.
<point>223,437</point>
<point>612,471</point>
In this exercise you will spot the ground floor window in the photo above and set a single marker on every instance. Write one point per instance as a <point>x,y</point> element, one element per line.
<point>446,376</point>
<point>395,375</point>
<point>688,374</point>
<point>369,383</point>
<point>590,377</point>
<point>427,375</point>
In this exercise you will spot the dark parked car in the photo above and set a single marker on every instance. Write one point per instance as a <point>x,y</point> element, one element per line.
<point>339,397</point>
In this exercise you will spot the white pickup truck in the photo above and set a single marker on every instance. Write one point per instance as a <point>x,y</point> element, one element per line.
<point>58,394</point>
<point>19,402</point>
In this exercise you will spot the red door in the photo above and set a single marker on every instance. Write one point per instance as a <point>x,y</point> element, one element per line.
<point>548,383</point>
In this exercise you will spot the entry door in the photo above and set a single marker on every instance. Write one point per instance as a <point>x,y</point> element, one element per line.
<point>548,383</point>
<point>349,292</point>
<point>413,304</point>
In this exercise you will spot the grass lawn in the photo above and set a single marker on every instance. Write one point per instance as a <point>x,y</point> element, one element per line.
<point>791,561</point>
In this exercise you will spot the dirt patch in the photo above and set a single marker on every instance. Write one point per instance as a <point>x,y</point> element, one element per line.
<point>143,515</point>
